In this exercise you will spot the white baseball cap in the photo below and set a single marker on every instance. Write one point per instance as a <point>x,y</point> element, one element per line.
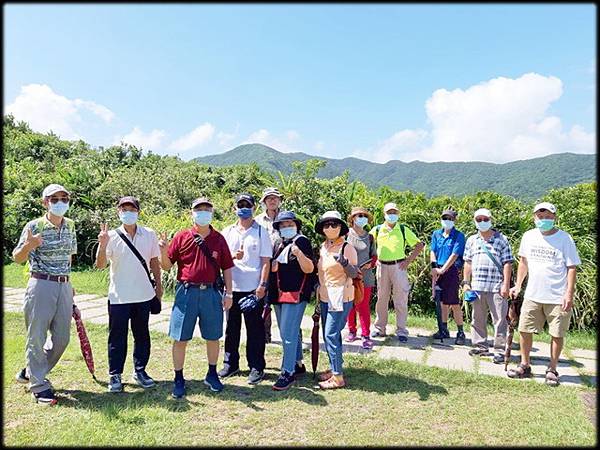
<point>482,212</point>
<point>545,205</point>
<point>389,206</point>
<point>53,189</point>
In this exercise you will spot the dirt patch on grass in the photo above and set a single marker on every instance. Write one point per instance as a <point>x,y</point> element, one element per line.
<point>589,401</point>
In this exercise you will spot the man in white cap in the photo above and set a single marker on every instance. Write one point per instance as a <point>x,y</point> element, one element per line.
<point>391,239</point>
<point>271,204</point>
<point>487,271</point>
<point>550,258</point>
<point>48,244</point>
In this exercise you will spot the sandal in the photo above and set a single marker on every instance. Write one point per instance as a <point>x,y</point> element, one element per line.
<point>522,371</point>
<point>332,383</point>
<point>551,377</point>
<point>325,375</point>
<point>480,351</point>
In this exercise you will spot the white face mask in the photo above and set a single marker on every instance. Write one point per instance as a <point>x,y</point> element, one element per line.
<point>484,226</point>
<point>128,217</point>
<point>59,208</point>
<point>391,218</point>
<point>447,224</point>
<point>361,221</point>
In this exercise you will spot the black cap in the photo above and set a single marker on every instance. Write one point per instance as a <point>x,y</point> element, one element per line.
<point>449,212</point>
<point>129,199</point>
<point>245,196</point>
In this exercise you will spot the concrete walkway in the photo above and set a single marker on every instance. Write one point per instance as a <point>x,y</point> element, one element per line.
<point>418,349</point>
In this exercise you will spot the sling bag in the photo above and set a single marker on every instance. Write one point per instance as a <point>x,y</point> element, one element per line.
<point>155,306</point>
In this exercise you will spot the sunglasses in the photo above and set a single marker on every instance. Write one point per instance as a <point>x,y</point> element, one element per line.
<point>447,218</point>
<point>543,210</point>
<point>331,225</point>
<point>361,215</point>
<point>244,205</point>
<point>479,219</point>
<point>55,200</point>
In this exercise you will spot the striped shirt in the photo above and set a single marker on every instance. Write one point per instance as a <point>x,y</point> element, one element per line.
<point>485,276</point>
<point>53,257</point>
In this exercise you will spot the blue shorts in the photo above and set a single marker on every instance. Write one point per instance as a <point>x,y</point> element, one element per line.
<point>196,305</point>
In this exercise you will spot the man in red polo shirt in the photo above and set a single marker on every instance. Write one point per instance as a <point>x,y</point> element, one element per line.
<point>200,253</point>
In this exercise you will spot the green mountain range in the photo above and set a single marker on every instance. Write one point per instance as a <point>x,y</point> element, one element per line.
<point>525,179</point>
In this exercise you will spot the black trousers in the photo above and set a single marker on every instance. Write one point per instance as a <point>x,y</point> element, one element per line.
<point>255,334</point>
<point>118,329</point>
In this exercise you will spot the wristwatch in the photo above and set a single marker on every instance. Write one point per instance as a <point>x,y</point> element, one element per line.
<point>264,284</point>
<point>466,283</point>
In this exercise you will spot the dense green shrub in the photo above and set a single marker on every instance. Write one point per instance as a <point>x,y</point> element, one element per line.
<point>166,186</point>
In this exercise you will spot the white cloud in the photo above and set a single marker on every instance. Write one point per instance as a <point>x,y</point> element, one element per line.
<point>148,141</point>
<point>194,139</point>
<point>498,120</point>
<point>45,110</point>
<point>282,144</point>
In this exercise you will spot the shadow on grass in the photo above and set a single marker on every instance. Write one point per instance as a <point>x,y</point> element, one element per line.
<point>111,404</point>
<point>362,379</point>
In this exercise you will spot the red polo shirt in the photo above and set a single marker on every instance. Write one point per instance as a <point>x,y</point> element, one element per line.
<point>192,264</point>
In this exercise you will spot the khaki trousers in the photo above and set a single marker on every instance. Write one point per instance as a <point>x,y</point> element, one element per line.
<point>391,280</point>
<point>498,307</point>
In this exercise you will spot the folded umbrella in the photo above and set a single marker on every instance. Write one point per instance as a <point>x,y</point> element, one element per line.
<point>266,316</point>
<point>84,343</point>
<point>314,339</point>
<point>512,317</point>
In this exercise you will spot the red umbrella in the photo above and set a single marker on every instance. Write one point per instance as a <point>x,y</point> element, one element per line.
<point>84,343</point>
<point>314,338</point>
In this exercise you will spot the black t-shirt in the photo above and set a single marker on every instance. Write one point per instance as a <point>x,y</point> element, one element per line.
<point>291,274</point>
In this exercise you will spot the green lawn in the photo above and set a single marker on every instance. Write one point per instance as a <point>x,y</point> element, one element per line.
<point>387,402</point>
<point>93,281</point>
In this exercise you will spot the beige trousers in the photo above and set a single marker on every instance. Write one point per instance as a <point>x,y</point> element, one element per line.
<point>498,307</point>
<point>391,280</point>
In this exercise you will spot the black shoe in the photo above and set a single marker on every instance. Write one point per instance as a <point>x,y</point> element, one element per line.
<point>284,381</point>
<point>299,370</point>
<point>228,371</point>
<point>402,338</point>
<point>498,358</point>
<point>460,338</point>
<point>143,379</point>
<point>45,397</point>
<point>178,388</point>
<point>22,377</point>
<point>255,376</point>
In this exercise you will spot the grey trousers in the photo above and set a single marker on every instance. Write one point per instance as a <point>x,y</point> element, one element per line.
<point>498,307</point>
<point>47,306</point>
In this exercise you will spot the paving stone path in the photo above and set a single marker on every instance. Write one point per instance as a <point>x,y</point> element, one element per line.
<point>418,349</point>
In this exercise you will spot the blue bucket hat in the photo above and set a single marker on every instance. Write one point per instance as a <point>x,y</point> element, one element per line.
<point>286,215</point>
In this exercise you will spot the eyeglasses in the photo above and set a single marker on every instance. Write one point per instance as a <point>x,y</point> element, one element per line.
<point>331,225</point>
<point>55,200</point>
<point>479,219</point>
<point>543,210</point>
<point>361,215</point>
<point>447,218</point>
<point>244,205</point>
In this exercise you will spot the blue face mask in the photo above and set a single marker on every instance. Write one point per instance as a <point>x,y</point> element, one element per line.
<point>288,232</point>
<point>447,224</point>
<point>244,213</point>
<point>202,217</point>
<point>391,218</point>
<point>361,221</point>
<point>483,226</point>
<point>544,224</point>
<point>59,208</point>
<point>128,217</point>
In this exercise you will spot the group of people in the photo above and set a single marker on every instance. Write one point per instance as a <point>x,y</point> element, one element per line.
<point>265,261</point>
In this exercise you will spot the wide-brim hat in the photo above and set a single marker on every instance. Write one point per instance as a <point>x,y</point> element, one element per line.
<point>331,216</point>
<point>270,191</point>
<point>286,215</point>
<point>359,210</point>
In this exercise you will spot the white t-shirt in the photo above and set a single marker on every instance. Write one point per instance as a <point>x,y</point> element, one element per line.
<point>128,280</point>
<point>246,271</point>
<point>547,261</point>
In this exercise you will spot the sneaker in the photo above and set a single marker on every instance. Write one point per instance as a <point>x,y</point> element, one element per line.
<point>367,343</point>
<point>22,377</point>
<point>115,384</point>
<point>351,337</point>
<point>227,371</point>
<point>284,381</point>
<point>143,379</point>
<point>498,358</point>
<point>402,338</point>
<point>45,397</point>
<point>299,369</point>
<point>213,382</point>
<point>460,338</point>
<point>377,333</point>
<point>441,334</point>
<point>255,376</point>
<point>178,388</point>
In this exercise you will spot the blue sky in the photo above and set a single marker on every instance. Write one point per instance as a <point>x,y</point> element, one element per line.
<point>429,82</point>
